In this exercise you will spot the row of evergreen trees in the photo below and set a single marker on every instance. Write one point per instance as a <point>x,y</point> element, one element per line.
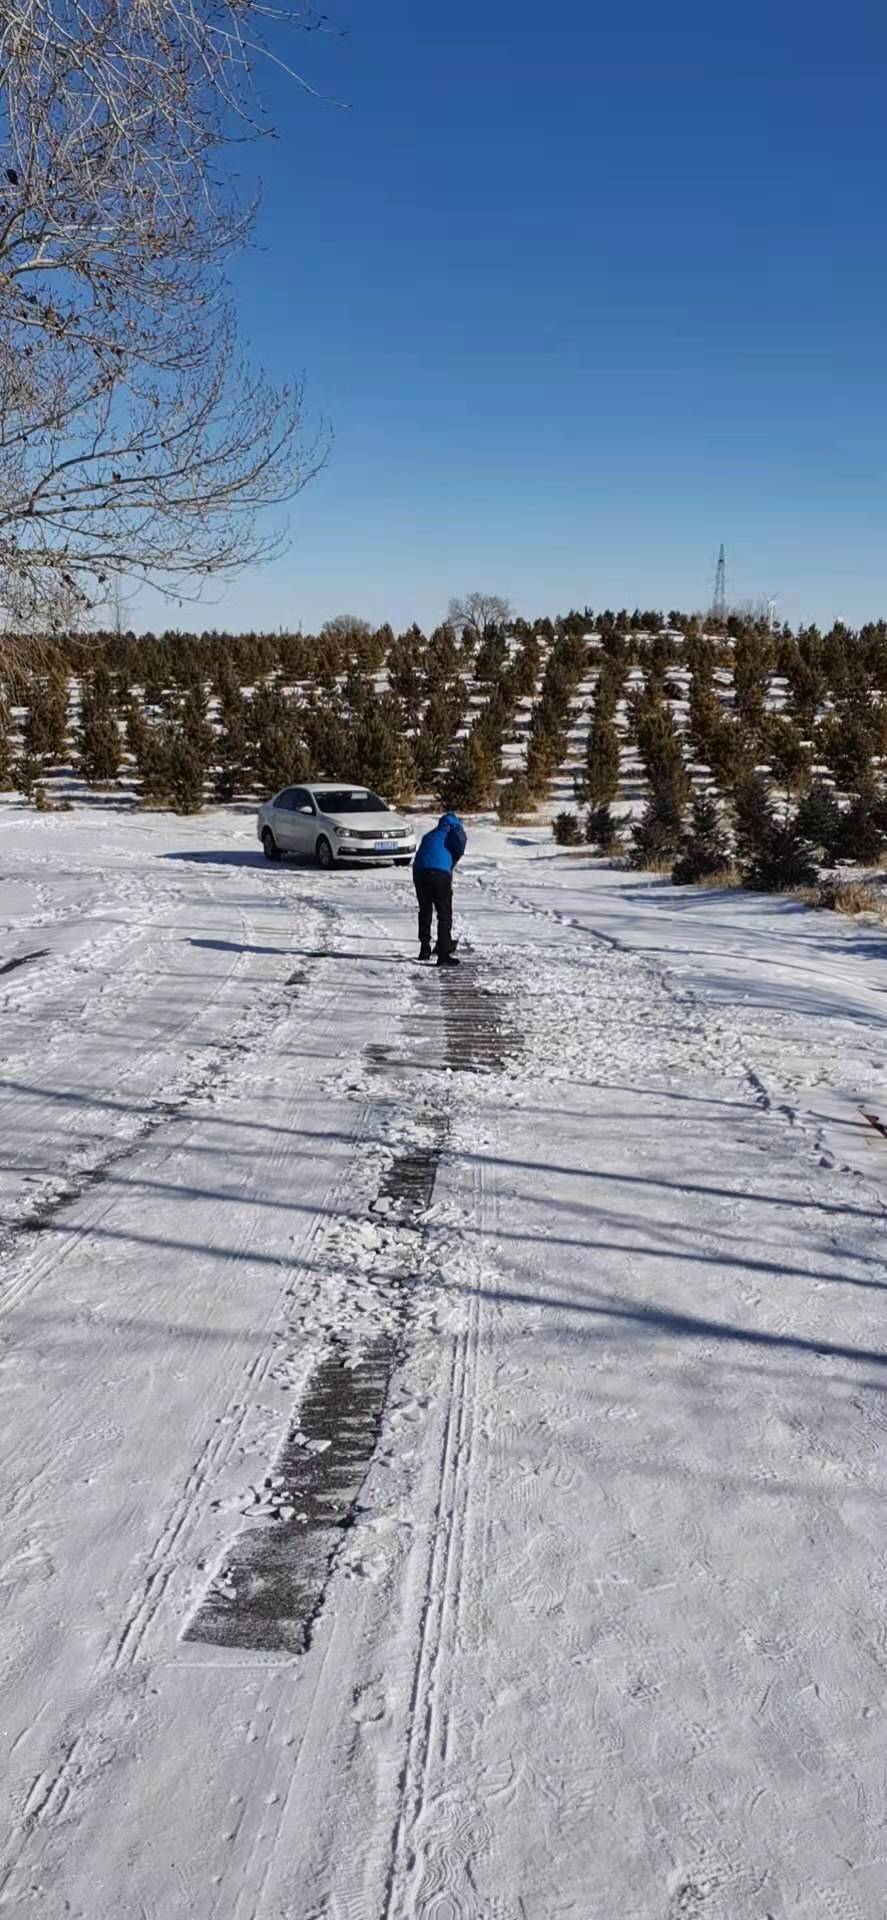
<point>256,742</point>
<point>226,715</point>
<point>783,789</point>
<point>186,735</point>
<point>705,840</point>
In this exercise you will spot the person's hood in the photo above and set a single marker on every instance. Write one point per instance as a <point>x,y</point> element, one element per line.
<point>449,820</point>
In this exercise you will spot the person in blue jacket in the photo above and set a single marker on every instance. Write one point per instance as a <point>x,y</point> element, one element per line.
<point>437,854</point>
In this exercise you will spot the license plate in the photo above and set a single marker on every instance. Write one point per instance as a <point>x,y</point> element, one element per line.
<point>384,846</point>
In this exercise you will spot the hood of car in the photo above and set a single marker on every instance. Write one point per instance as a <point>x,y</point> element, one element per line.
<point>378,824</point>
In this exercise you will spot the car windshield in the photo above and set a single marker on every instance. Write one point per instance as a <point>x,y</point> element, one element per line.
<point>351,800</point>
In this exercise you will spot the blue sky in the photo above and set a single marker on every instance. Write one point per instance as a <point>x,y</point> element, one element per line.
<point>583,291</point>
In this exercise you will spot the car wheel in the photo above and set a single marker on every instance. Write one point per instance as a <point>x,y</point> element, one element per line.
<point>270,847</point>
<point>324,852</point>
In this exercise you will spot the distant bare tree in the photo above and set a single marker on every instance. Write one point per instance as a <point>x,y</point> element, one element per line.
<point>133,442</point>
<point>477,611</point>
<point>346,626</point>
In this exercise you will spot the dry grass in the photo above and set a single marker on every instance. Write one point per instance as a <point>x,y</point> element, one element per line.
<point>843,896</point>
<point>715,882</point>
<point>849,896</point>
<point>662,867</point>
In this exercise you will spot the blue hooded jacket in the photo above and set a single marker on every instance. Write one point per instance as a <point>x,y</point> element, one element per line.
<point>440,850</point>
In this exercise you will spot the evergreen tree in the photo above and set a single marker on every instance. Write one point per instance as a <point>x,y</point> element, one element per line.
<point>383,641</point>
<point>154,682</point>
<point>753,817</point>
<point>442,657</point>
<point>515,798</point>
<point>752,660</point>
<point>610,688</point>
<point>232,747</point>
<point>358,692</point>
<point>657,836</point>
<point>661,750</point>
<point>730,753</point>
<point>277,755</point>
<point>6,753</point>
<point>873,637</point>
<point>342,637</point>
<point>819,820</point>
<point>567,830</point>
<point>227,679</point>
<point>525,667</point>
<point>600,781</point>
<point>782,861</point>
<point>846,741</point>
<point>659,655</point>
<point>701,656</point>
<point>99,744</point>
<point>323,744</point>
<point>861,837</point>
<point>807,686</point>
<point>705,718</point>
<point>195,723</point>
<point>601,829</point>
<point>546,742</point>
<point>370,649</point>
<point>706,849</point>
<point>470,782</point>
<point>293,659</point>
<point>790,757</point>
<point>28,773</point>
<point>440,721</point>
<point>550,719</point>
<point>406,659</point>
<point>380,752</point>
<point>491,658</point>
<point>149,745</point>
<point>841,667</point>
<point>545,750</point>
<point>185,768</point>
<point>135,729</point>
<point>46,725</point>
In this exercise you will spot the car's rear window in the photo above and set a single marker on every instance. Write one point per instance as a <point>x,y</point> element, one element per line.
<point>351,800</point>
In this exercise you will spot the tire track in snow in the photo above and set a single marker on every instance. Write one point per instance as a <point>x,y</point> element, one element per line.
<point>259,1826</point>
<point>434,1834</point>
<point>730,1046</point>
<point>125,1669</point>
<point>163,1556</point>
<point>48,1796</point>
<point>335,1712</point>
<point>138,1110</point>
<point>145,1065</point>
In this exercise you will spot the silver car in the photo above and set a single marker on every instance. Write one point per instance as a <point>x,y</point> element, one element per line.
<point>331,822</point>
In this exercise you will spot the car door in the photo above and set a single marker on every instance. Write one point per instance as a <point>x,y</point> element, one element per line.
<point>283,819</point>
<point>302,820</point>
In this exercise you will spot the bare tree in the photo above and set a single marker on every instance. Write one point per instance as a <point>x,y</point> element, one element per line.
<point>133,441</point>
<point>346,626</point>
<point>477,611</point>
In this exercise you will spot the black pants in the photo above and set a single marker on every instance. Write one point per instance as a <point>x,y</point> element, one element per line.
<point>434,892</point>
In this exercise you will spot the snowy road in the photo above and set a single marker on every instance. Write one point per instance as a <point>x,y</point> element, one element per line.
<point>583,1233</point>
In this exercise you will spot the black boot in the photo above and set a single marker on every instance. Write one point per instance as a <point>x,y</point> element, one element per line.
<point>424,953</point>
<point>447,960</point>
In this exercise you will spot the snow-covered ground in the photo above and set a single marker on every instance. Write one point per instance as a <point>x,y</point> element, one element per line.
<point>511,1342</point>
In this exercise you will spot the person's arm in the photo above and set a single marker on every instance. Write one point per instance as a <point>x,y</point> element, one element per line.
<point>457,841</point>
